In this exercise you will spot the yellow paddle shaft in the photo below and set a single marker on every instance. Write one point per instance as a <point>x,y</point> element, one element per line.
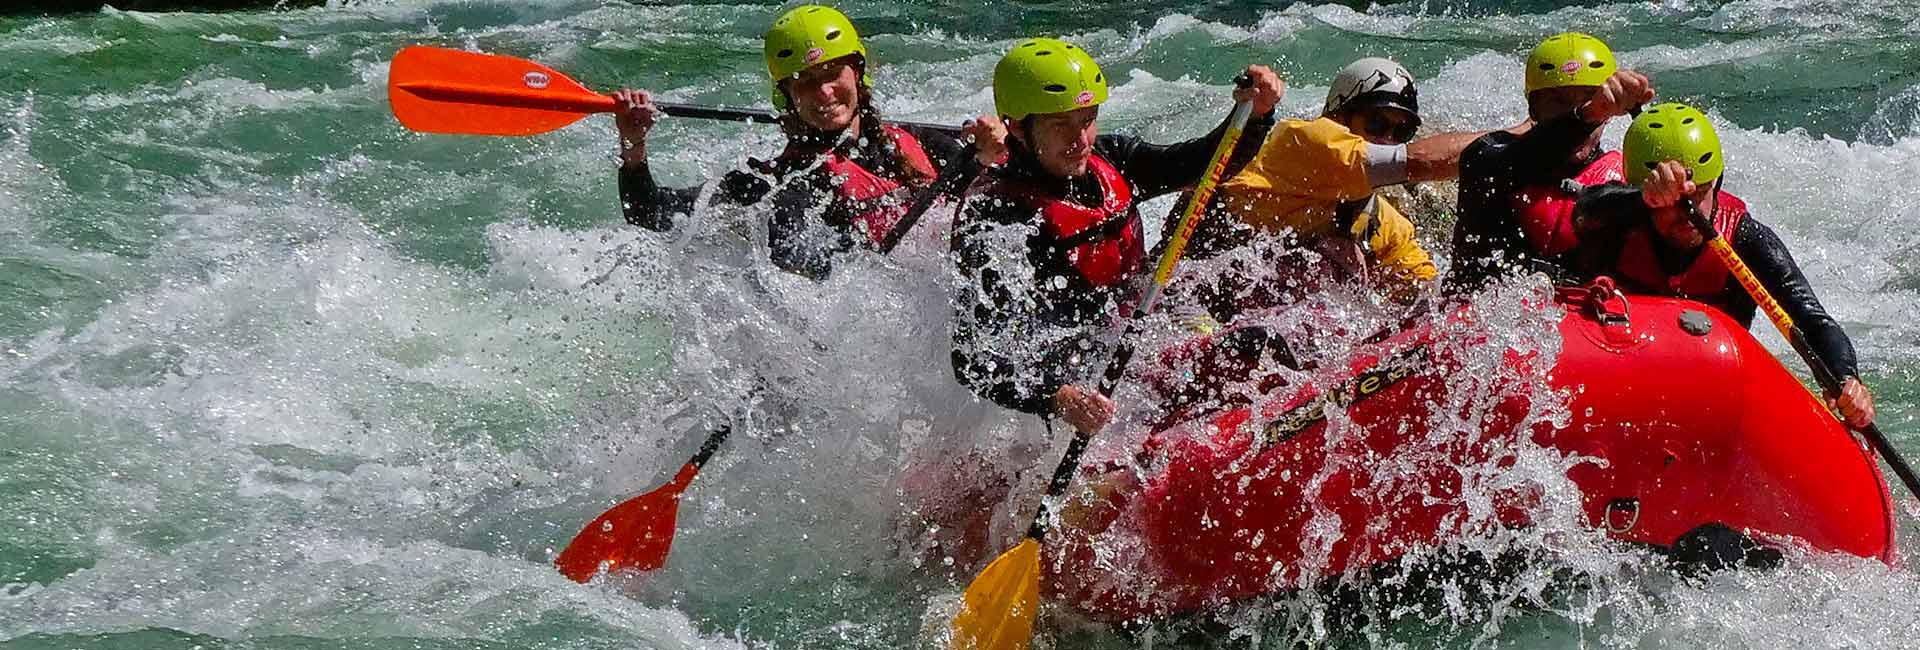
<point>1202,194</point>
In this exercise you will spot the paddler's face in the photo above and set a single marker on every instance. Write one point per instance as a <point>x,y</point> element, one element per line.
<point>1062,142</point>
<point>1546,104</point>
<point>1550,103</point>
<point>1675,228</point>
<point>827,96</point>
<point>1381,126</point>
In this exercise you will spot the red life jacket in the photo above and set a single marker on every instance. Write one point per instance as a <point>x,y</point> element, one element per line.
<point>1546,213</point>
<point>876,202</point>
<point>1705,280</point>
<point>1103,243</point>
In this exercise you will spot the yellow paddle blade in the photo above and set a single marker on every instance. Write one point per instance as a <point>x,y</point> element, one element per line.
<point>997,610</point>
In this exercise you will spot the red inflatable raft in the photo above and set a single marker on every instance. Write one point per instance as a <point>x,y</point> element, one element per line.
<point>1675,420</point>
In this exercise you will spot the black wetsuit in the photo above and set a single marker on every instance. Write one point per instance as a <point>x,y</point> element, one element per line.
<point>797,242</point>
<point>1487,239</point>
<point>1020,334</point>
<point>1608,212</point>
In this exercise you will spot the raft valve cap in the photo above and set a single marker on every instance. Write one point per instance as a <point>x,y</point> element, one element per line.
<point>1695,322</point>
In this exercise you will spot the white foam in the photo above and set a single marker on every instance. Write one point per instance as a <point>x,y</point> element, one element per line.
<point>1859,19</point>
<point>1896,118</point>
<point>223,93</point>
<point>320,584</point>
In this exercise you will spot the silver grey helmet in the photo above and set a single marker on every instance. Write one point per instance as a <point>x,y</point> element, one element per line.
<point>1373,82</point>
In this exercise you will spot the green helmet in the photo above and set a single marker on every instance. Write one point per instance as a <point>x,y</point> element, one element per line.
<point>1569,59</point>
<point>1676,132</point>
<point>806,36</point>
<point>1046,75</point>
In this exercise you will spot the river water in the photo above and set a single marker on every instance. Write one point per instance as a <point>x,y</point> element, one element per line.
<point>279,373</point>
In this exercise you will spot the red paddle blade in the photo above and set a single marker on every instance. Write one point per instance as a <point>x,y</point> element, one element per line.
<point>438,90</point>
<point>633,536</point>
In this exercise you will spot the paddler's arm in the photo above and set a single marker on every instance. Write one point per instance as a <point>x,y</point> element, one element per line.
<point>1601,214</point>
<point>1161,169</point>
<point>1608,206</point>
<point>1763,252</point>
<point>1435,157</point>
<point>940,144</point>
<point>1156,169</point>
<point>1550,144</point>
<point>643,202</point>
<point>992,313</point>
<point>648,205</point>
<point>1321,158</point>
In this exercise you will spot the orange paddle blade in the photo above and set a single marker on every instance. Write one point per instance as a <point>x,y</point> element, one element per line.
<point>633,536</point>
<point>997,610</point>
<point>438,90</point>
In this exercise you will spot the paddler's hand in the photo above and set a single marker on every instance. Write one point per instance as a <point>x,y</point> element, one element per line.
<point>989,136</point>
<point>1618,95</point>
<point>1664,187</point>
<point>1085,410</point>
<point>1265,91</point>
<point>1855,403</point>
<point>636,117</point>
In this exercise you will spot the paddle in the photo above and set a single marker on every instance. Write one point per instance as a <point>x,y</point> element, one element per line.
<point>998,607</point>
<point>438,90</point>
<point>636,534</point>
<point>1822,372</point>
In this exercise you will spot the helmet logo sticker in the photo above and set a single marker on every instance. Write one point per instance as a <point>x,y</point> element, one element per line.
<point>1084,98</point>
<point>1570,67</point>
<point>536,79</point>
<point>814,54</point>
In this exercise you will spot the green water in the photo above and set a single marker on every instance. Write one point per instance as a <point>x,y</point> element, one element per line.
<point>278,373</point>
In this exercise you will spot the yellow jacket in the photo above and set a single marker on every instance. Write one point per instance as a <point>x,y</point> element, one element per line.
<point>1304,171</point>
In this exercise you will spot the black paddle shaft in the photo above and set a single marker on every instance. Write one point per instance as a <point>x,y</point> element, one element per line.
<point>712,445</point>
<point>1822,373</point>
<point>1063,473</point>
<point>751,115</point>
<point>1871,432</point>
